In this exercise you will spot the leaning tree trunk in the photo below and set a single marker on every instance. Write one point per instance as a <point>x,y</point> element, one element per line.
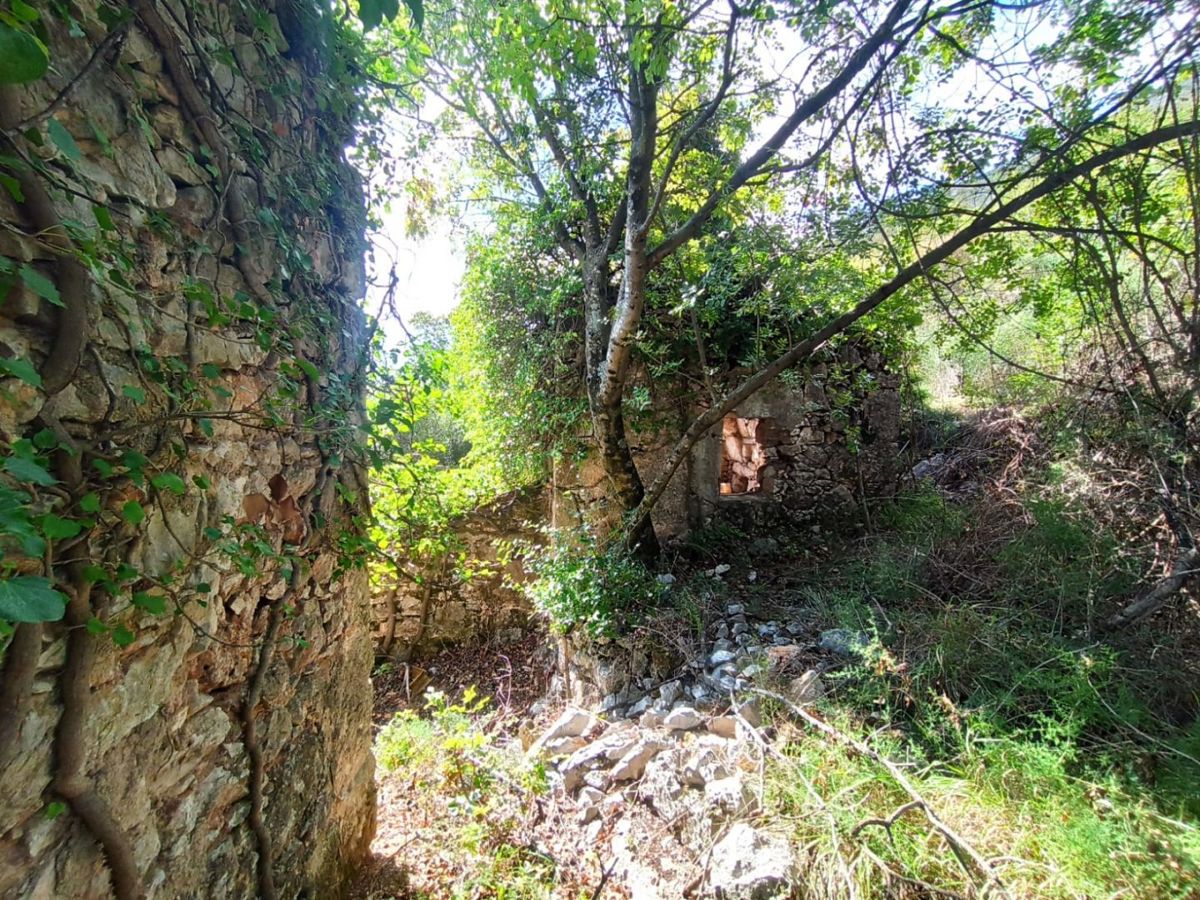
<point>625,483</point>
<point>611,327</point>
<point>605,394</point>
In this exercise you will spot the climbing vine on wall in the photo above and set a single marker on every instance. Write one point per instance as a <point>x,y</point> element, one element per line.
<point>76,503</point>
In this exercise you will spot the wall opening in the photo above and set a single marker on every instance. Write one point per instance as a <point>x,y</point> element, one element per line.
<point>743,455</point>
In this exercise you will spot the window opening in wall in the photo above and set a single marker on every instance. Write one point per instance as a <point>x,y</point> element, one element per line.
<point>743,456</point>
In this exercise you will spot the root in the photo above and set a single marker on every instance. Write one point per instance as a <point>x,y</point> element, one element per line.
<point>71,337</point>
<point>266,879</point>
<point>204,121</point>
<point>71,781</point>
<point>20,665</point>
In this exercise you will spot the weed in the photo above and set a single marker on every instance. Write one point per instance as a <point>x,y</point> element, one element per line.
<point>1033,742</point>
<point>479,793</point>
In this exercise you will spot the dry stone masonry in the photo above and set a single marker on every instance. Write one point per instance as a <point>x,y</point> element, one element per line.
<point>814,446</point>
<point>470,592</point>
<point>211,698</point>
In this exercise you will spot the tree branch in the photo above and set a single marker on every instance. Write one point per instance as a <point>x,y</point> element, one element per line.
<point>806,348</point>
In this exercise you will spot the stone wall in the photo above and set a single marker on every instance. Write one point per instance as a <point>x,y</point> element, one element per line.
<point>830,434</point>
<point>210,340</point>
<point>469,595</point>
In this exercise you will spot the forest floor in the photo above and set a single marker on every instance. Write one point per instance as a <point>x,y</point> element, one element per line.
<point>984,735</point>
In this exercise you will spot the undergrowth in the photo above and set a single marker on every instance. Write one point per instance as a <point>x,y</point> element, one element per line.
<point>1061,759</point>
<point>478,792</point>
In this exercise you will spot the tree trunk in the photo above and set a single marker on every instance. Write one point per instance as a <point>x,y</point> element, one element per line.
<point>625,488</point>
<point>625,484</point>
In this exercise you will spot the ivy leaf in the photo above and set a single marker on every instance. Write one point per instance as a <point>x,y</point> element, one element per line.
<point>56,527</point>
<point>122,636</point>
<point>23,369</point>
<point>103,217</point>
<point>90,503</point>
<point>13,187</point>
<point>61,138</point>
<point>169,481</point>
<point>40,284</point>
<point>136,394</point>
<point>22,56</point>
<point>95,574</point>
<point>151,603</point>
<point>14,521</point>
<point>28,470</point>
<point>416,9</point>
<point>373,12</point>
<point>201,482</point>
<point>30,598</point>
<point>133,513</point>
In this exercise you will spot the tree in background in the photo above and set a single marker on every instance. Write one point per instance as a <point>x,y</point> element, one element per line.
<point>627,131</point>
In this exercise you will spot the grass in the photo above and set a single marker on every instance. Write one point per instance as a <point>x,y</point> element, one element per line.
<point>1047,750</point>
<point>478,793</point>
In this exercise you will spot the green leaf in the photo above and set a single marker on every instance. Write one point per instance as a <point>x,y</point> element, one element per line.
<point>28,471</point>
<point>209,370</point>
<point>373,12</point>
<point>22,56</point>
<point>54,809</point>
<point>14,521</point>
<point>23,11</point>
<point>206,426</point>
<point>169,481</point>
<point>56,527</point>
<point>95,574</point>
<point>61,138</point>
<point>23,369</point>
<point>40,284</point>
<point>30,598</point>
<point>122,636</point>
<point>201,482</point>
<point>90,503</point>
<point>95,627</point>
<point>103,217</point>
<point>151,603</point>
<point>13,186</point>
<point>416,9</point>
<point>136,394</point>
<point>133,513</point>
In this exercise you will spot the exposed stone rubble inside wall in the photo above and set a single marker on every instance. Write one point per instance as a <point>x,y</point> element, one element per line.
<point>163,733</point>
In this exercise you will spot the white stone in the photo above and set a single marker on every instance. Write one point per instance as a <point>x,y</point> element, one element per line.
<point>633,763</point>
<point>750,865</point>
<point>682,718</point>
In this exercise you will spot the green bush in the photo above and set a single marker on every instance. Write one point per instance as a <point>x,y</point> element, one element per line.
<point>579,585</point>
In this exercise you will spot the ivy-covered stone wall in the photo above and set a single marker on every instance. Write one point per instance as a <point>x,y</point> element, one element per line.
<point>184,704</point>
